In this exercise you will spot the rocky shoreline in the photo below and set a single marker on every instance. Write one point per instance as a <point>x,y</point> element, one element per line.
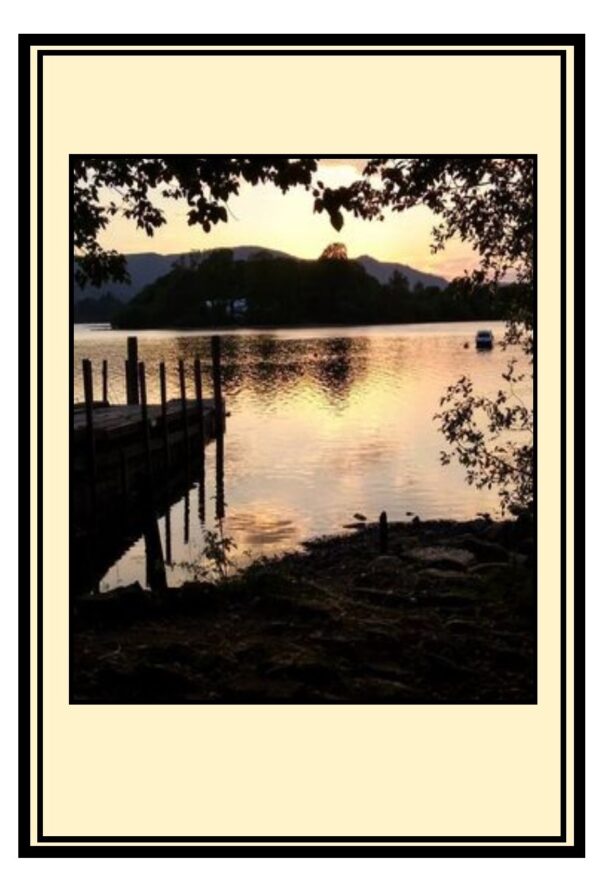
<point>447,615</point>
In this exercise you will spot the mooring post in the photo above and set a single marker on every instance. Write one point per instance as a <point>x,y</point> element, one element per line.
<point>145,422</point>
<point>383,533</point>
<point>126,380</point>
<point>215,347</point>
<point>199,404</point>
<point>88,393</point>
<point>155,564</point>
<point>105,381</point>
<point>198,381</point>
<point>163,408</point>
<point>186,434</point>
<point>133,396</point>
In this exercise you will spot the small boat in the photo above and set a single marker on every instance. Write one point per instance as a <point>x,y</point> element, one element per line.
<point>484,340</point>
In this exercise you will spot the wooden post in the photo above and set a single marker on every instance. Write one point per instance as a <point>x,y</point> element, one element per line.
<point>105,381</point>
<point>186,434</point>
<point>383,533</point>
<point>215,347</point>
<point>199,404</point>
<point>198,380</point>
<point>133,396</point>
<point>145,423</point>
<point>155,565</point>
<point>163,409</point>
<point>88,392</point>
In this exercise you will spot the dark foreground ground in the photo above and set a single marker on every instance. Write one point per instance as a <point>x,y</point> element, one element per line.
<point>447,616</point>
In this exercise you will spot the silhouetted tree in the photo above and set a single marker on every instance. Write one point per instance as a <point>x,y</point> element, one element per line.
<point>486,202</point>
<point>105,187</point>
<point>489,203</point>
<point>335,251</point>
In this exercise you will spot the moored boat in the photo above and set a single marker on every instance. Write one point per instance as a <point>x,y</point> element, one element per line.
<point>484,340</point>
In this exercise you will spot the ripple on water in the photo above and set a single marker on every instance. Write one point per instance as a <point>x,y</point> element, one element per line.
<point>324,423</point>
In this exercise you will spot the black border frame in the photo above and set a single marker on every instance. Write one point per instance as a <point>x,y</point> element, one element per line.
<point>521,846</point>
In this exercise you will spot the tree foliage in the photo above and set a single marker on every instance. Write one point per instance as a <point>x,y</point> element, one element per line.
<point>216,290</point>
<point>492,437</point>
<point>335,251</point>
<point>105,187</point>
<point>487,203</point>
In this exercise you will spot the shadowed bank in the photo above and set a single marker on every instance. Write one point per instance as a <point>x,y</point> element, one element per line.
<point>445,615</point>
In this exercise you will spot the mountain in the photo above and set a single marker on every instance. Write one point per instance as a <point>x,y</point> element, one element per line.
<point>384,270</point>
<point>143,270</point>
<point>146,268</point>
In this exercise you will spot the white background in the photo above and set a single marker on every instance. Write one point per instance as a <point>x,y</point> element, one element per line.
<point>260,16</point>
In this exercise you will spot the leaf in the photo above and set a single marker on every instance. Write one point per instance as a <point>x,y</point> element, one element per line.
<point>337,221</point>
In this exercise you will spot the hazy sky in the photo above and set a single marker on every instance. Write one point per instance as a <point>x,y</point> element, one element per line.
<point>263,215</point>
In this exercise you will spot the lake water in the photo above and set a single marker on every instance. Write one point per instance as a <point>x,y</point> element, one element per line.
<point>324,423</point>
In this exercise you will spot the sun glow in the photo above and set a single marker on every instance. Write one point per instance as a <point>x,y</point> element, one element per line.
<point>262,215</point>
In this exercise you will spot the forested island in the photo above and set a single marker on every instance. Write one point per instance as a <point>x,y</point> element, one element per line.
<point>216,290</point>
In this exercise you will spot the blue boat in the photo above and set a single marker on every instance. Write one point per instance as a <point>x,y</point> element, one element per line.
<point>484,340</point>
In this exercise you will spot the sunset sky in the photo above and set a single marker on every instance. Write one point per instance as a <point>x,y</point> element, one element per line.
<point>263,215</point>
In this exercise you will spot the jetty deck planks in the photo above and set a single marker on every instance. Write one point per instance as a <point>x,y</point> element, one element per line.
<point>114,422</point>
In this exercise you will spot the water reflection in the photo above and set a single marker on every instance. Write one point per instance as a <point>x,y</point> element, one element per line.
<point>323,424</point>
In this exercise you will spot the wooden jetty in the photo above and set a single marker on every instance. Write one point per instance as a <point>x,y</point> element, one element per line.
<point>120,452</point>
<point>129,461</point>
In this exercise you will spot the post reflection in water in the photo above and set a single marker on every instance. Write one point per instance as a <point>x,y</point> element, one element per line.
<point>168,551</point>
<point>322,423</point>
<point>220,479</point>
<point>202,494</point>
<point>186,518</point>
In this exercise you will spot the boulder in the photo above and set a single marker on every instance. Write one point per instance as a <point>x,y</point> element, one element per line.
<point>484,551</point>
<point>441,557</point>
<point>445,576</point>
<point>386,564</point>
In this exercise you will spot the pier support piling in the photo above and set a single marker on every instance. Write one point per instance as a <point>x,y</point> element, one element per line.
<point>105,381</point>
<point>215,347</point>
<point>88,393</point>
<point>131,369</point>
<point>165,423</point>
<point>186,431</point>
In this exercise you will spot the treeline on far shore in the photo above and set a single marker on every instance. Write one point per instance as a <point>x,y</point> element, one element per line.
<point>216,291</point>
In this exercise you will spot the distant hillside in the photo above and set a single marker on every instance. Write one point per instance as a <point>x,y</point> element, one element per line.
<point>384,270</point>
<point>220,290</point>
<point>144,269</point>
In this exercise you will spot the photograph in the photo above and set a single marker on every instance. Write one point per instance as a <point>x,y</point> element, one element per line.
<point>303,452</point>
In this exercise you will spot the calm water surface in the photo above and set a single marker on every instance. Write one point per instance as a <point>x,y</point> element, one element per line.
<point>323,423</point>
